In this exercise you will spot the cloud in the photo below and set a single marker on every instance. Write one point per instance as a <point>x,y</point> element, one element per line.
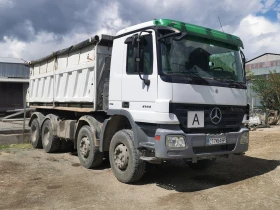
<point>259,35</point>
<point>6,4</point>
<point>60,17</point>
<point>41,42</point>
<point>267,5</point>
<point>12,47</point>
<point>32,29</point>
<point>277,9</point>
<point>203,12</point>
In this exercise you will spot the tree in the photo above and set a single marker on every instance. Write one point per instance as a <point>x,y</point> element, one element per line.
<point>267,89</point>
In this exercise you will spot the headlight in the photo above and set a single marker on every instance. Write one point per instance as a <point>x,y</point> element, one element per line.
<point>244,138</point>
<point>175,141</point>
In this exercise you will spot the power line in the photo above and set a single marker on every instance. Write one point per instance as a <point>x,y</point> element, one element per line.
<point>221,24</point>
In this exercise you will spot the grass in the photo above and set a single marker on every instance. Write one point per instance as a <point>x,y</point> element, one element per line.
<point>17,146</point>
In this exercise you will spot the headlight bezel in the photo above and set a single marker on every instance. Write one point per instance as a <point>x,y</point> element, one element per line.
<point>244,138</point>
<point>178,136</point>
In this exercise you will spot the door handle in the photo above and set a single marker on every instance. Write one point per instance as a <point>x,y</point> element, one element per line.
<point>125,104</point>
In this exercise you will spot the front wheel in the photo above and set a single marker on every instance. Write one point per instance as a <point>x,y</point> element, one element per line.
<point>202,164</point>
<point>125,158</point>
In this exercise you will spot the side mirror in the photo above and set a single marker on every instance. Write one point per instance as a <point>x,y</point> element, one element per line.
<point>141,63</point>
<point>138,42</point>
<point>139,59</point>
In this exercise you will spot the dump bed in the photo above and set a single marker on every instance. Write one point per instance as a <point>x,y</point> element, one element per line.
<point>73,78</point>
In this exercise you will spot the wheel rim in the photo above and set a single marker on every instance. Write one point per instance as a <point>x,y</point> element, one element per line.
<point>46,136</point>
<point>85,147</point>
<point>33,133</point>
<point>121,156</point>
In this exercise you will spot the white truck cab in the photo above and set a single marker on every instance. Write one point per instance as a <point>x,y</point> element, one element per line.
<point>173,91</point>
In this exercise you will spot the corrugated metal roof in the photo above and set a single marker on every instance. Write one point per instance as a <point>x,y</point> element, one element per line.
<point>261,56</point>
<point>20,80</point>
<point>13,68</point>
<point>11,60</point>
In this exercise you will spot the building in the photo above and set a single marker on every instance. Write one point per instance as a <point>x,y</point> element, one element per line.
<point>14,81</point>
<point>261,66</point>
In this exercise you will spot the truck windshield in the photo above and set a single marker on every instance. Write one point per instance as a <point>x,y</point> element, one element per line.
<point>197,57</point>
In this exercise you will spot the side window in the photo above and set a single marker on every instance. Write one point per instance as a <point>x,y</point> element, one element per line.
<point>147,57</point>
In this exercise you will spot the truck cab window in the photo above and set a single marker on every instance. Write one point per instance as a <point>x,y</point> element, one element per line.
<point>147,59</point>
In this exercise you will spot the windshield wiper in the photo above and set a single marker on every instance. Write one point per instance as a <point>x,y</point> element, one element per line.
<point>195,76</point>
<point>233,82</point>
<point>193,73</point>
<point>198,77</point>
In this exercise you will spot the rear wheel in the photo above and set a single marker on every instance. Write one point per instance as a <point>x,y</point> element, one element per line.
<point>125,158</point>
<point>50,142</point>
<point>89,156</point>
<point>35,136</point>
<point>202,164</point>
<point>66,146</point>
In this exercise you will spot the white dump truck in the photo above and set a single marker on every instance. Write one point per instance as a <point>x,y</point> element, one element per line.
<point>157,91</point>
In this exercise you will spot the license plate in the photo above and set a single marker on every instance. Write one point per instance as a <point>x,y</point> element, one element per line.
<point>195,119</point>
<point>213,140</point>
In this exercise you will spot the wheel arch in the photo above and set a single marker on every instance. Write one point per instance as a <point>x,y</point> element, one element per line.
<point>95,126</point>
<point>37,115</point>
<point>120,119</point>
<point>54,120</point>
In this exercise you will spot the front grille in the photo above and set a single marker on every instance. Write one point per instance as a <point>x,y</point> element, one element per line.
<point>232,117</point>
<point>210,149</point>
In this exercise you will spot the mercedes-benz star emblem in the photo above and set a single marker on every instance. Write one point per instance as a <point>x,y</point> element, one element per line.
<point>216,115</point>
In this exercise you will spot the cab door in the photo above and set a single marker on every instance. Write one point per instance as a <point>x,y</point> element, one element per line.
<point>139,99</point>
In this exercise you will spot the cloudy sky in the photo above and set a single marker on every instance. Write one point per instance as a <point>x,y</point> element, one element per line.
<point>30,29</point>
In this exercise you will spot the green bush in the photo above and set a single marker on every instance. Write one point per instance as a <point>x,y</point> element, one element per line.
<point>267,89</point>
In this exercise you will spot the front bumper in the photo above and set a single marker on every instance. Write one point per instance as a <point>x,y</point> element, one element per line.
<point>197,147</point>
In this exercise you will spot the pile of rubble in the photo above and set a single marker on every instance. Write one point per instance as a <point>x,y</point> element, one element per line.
<point>261,119</point>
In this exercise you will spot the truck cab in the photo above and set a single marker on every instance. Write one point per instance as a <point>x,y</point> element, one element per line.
<point>184,88</point>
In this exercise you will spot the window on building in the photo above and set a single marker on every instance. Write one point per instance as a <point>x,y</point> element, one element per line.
<point>147,57</point>
<point>272,63</point>
<point>256,65</point>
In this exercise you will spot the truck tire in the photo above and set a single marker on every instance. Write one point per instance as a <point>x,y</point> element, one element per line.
<point>50,142</point>
<point>66,146</point>
<point>35,136</point>
<point>89,156</point>
<point>202,164</point>
<point>125,158</point>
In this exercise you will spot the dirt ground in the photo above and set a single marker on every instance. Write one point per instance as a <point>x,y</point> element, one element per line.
<point>32,179</point>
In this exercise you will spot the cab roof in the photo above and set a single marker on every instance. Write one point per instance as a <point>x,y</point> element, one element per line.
<point>191,29</point>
